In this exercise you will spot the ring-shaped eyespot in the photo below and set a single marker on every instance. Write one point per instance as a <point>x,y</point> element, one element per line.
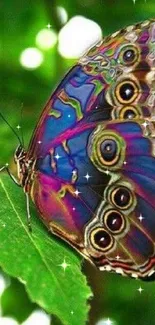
<point>114,221</point>
<point>122,197</point>
<point>127,91</point>
<point>101,240</point>
<point>129,113</point>
<point>106,149</point>
<point>109,151</point>
<point>129,55</point>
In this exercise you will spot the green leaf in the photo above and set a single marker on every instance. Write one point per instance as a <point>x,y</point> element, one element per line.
<point>35,260</point>
<point>15,302</point>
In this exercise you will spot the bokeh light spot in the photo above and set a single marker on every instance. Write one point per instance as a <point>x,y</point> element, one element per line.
<point>31,58</point>
<point>38,317</point>
<point>62,13</point>
<point>77,36</point>
<point>106,321</point>
<point>8,321</point>
<point>46,39</point>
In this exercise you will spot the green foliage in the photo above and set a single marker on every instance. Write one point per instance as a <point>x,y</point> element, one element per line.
<point>35,259</point>
<point>117,297</point>
<point>15,302</point>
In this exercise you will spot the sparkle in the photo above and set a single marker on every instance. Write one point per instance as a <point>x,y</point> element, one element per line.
<point>72,312</point>
<point>64,265</point>
<point>69,115</point>
<point>87,176</point>
<point>18,127</point>
<point>48,26</point>
<point>74,209</point>
<point>39,142</point>
<point>117,257</point>
<point>6,164</point>
<point>125,163</point>
<point>140,290</point>
<point>141,218</point>
<point>74,172</point>
<point>145,124</point>
<point>107,172</point>
<point>134,1</point>
<point>57,156</point>
<point>76,192</point>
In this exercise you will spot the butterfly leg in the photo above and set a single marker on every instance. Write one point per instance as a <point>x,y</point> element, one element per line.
<point>5,168</point>
<point>28,212</point>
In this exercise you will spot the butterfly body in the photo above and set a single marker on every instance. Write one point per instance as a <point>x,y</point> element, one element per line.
<point>90,165</point>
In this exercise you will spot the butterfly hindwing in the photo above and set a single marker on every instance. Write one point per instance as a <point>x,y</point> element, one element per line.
<point>127,213</point>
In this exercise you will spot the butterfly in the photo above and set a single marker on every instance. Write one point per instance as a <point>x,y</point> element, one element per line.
<point>90,165</point>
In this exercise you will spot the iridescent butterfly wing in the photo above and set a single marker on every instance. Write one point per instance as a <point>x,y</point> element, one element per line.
<point>121,236</point>
<point>72,179</point>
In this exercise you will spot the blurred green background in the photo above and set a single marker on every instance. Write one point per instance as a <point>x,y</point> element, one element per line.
<point>27,80</point>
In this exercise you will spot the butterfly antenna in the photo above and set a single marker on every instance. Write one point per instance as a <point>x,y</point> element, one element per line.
<point>15,133</point>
